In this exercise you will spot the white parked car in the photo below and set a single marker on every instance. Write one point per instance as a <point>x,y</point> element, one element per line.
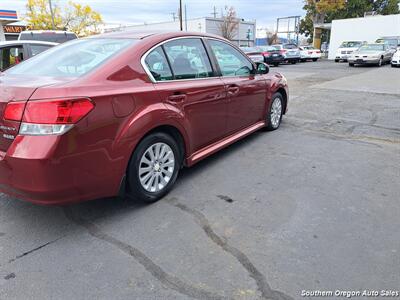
<point>371,54</point>
<point>346,49</point>
<point>309,53</point>
<point>396,58</point>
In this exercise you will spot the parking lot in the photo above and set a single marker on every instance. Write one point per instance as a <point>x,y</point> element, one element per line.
<point>311,206</point>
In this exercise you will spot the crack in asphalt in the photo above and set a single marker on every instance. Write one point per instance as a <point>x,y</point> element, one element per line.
<point>156,271</point>
<point>35,249</point>
<point>266,291</point>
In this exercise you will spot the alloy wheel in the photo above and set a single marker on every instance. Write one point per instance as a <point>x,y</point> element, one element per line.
<point>156,167</point>
<point>276,112</point>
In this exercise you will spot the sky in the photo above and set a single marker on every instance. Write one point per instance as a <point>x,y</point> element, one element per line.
<point>129,12</point>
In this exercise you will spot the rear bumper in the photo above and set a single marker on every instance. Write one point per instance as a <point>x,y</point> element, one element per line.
<point>39,170</point>
<point>274,59</point>
<point>292,58</point>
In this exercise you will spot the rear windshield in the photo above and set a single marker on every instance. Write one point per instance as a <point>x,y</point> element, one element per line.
<point>72,59</point>
<point>55,37</point>
<point>290,46</point>
<point>350,44</point>
<point>268,48</point>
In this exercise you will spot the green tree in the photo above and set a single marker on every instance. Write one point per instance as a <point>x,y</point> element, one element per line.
<point>81,19</point>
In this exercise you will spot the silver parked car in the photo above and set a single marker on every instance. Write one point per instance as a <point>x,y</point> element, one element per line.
<point>374,54</point>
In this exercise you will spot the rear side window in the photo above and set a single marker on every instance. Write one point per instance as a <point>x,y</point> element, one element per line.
<point>36,49</point>
<point>230,61</point>
<point>157,63</point>
<point>10,56</point>
<point>188,59</point>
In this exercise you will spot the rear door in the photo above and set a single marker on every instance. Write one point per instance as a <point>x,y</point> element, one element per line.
<point>185,79</point>
<point>247,91</point>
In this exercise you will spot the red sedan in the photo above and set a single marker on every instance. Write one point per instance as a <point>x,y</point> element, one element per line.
<point>120,114</point>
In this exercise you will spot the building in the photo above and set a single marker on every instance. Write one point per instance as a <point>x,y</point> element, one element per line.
<point>369,29</point>
<point>243,36</point>
<point>7,17</point>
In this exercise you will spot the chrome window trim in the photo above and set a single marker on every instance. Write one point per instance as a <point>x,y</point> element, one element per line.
<point>144,56</point>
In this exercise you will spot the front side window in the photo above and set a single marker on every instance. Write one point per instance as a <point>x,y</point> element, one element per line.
<point>188,58</point>
<point>72,59</point>
<point>230,61</point>
<point>157,63</point>
<point>10,56</point>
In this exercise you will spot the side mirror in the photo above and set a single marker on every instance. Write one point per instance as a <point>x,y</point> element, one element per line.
<point>262,68</point>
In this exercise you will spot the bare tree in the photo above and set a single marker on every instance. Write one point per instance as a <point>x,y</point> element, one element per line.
<point>229,24</point>
<point>272,38</point>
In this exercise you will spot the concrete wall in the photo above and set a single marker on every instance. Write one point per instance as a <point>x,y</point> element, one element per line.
<point>362,29</point>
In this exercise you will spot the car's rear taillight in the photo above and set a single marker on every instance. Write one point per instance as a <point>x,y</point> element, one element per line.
<point>48,117</point>
<point>67,111</point>
<point>310,52</point>
<point>266,53</point>
<point>14,111</point>
<point>283,51</point>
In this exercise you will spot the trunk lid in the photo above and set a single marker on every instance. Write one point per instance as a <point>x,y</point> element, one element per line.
<point>16,88</point>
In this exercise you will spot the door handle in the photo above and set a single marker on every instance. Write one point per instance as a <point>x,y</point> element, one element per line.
<point>233,89</point>
<point>176,98</point>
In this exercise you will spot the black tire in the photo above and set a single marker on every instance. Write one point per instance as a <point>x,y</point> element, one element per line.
<point>336,60</point>
<point>351,64</point>
<point>392,65</point>
<point>136,190</point>
<point>293,62</point>
<point>314,59</point>
<point>269,125</point>
<point>276,64</point>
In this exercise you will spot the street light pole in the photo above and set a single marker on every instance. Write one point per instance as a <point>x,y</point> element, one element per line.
<point>180,15</point>
<point>52,15</point>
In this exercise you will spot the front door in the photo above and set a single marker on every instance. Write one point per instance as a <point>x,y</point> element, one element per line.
<point>247,91</point>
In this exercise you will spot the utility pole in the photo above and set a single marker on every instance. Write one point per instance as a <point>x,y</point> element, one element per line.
<point>174,16</point>
<point>214,13</point>
<point>180,15</point>
<point>52,15</point>
<point>186,18</point>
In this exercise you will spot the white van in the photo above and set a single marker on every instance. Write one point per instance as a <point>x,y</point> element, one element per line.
<point>346,49</point>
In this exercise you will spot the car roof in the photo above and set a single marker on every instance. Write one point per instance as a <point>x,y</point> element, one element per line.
<point>22,42</point>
